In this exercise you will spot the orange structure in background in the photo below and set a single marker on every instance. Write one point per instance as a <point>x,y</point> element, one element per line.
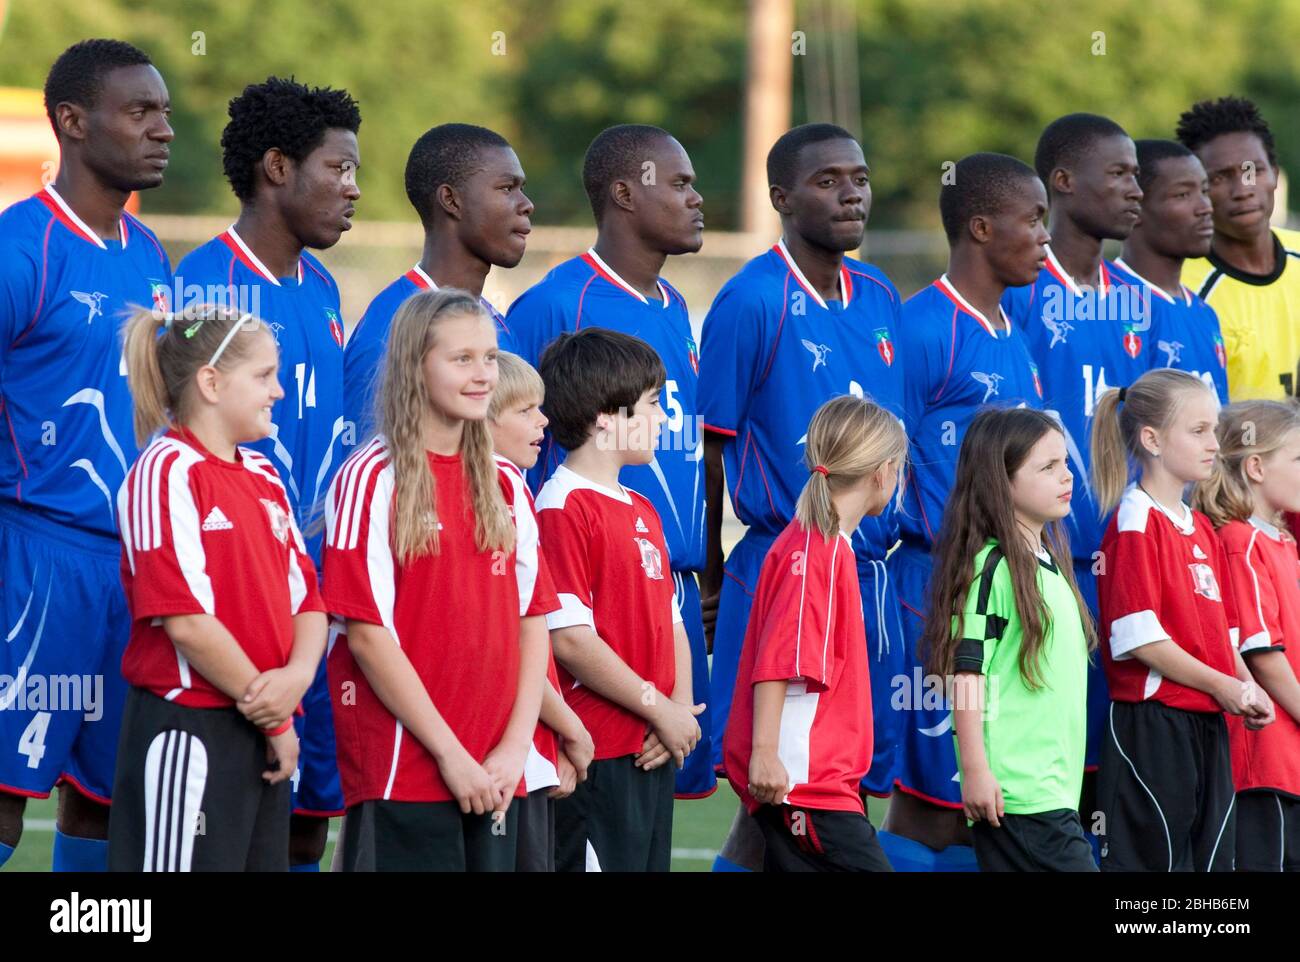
<point>29,152</point>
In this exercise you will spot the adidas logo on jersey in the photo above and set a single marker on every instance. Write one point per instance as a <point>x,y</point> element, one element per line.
<point>217,521</point>
<point>1197,552</point>
<point>640,526</point>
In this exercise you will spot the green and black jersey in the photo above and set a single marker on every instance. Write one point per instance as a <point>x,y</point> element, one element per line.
<point>1034,738</point>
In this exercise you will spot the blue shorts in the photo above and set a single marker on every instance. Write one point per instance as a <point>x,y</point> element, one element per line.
<point>927,765</point>
<point>1098,691</point>
<point>884,649</point>
<point>696,778</point>
<point>315,785</point>
<point>66,624</point>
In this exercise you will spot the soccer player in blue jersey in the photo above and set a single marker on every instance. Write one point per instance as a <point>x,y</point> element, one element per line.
<point>960,353</point>
<point>799,324</point>
<point>640,183</point>
<point>73,264</point>
<point>1088,329</point>
<point>467,186</point>
<point>290,153</point>
<point>1177,224</point>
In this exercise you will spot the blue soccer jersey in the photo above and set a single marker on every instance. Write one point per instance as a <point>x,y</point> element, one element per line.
<point>586,292</point>
<point>67,415</point>
<point>1185,331</point>
<point>364,354</point>
<point>310,437</point>
<point>955,361</point>
<point>1084,341</point>
<point>773,352</point>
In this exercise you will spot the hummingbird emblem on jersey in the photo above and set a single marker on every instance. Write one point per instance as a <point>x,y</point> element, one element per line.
<point>1219,352</point>
<point>1132,342</point>
<point>651,562</point>
<point>93,300</point>
<point>990,382</point>
<point>336,328</point>
<point>1059,329</point>
<point>819,352</point>
<point>1171,348</point>
<point>884,346</point>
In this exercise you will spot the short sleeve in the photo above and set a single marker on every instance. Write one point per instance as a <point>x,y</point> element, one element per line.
<point>733,347</point>
<point>360,570</point>
<point>923,352</point>
<point>163,537</point>
<point>536,588</point>
<point>566,532</point>
<point>795,635</point>
<point>1130,593</point>
<point>19,280</point>
<point>1255,600</point>
<point>988,610</point>
<point>361,362</point>
<point>304,589</point>
<point>533,321</point>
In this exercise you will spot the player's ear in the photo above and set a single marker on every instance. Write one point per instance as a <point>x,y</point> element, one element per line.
<point>71,120</point>
<point>981,230</point>
<point>620,193</point>
<point>1061,181</point>
<point>1253,468</point>
<point>205,382</point>
<point>275,166</point>
<point>776,193</point>
<point>447,199</point>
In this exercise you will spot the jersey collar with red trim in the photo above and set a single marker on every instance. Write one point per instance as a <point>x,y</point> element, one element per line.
<point>604,270</point>
<point>846,282</point>
<point>1159,292</point>
<point>66,216</point>
<point>950,291</point>
<point>250,260</point>
<point>1061,274</point>
<point>417,276</point>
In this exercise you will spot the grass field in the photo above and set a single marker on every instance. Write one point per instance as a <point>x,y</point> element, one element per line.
<point>699,826</point>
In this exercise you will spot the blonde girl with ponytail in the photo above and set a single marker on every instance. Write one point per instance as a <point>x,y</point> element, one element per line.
<point>228,626</point>
<point>1169,631</point>
<point>799,738</point>
<point>1256,481</point>
<point>431,558</point>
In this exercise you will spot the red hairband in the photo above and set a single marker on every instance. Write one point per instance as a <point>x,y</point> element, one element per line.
<point>821,469</point>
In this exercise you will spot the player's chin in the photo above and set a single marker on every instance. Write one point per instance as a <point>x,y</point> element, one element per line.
<point>146,178</point>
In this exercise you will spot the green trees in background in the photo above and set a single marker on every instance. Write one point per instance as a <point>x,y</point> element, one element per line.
<point>938,78</point>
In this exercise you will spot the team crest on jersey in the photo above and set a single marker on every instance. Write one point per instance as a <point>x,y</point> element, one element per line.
<point>336,327</point>
<point>1219,352</point>
<point>1038,384</point>
<point>1204,582</point>
<point>279,519</point>
<point>693,355</point>
<point>1132,342</point>
<point>161,297</point>
<point>884,346</point>
<point>651,562</point>
<point>94,303</point>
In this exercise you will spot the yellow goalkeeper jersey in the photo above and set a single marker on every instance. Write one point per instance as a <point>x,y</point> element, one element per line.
<point>1259,315</point>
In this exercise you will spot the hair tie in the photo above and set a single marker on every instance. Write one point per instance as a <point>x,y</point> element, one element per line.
<point>1122,391</point>
<point>821,469</point>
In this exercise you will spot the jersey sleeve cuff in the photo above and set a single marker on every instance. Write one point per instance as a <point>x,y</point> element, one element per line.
<point>341,609</point>
<point>783,673</point>
<point>572,613</point>
<point>1133,631</point>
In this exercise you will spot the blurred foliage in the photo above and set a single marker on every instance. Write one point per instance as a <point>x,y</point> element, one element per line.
<point>938,78</point>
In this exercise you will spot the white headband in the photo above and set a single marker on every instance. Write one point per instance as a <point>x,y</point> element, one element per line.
<point>234,329</point>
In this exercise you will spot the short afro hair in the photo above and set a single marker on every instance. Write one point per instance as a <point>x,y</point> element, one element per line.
<point>617,153</point>
<point>783,158</point>
<point>1209,119</point>
<point>282,114</point>
<point>446,154</point>
<point>78,75</point>
<point>1151,153</point>
<point>595,371</point>
<point>982,184</point>
<point>1069,138</point>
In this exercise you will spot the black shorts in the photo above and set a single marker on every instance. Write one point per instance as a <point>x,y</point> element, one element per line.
<point>387,836</point>
<point>188,793</point>
<point>619,820</point>
<point>1041,842</point>
<point>1165,790</point>
<point>535,833</point>
<point>1268,832</point>
<point>817,840</point>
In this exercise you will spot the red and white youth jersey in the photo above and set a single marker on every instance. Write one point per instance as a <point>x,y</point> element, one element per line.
<point>610,565</point>
<point>806,629</point>
<point>455,615</point>
<point>201,535</point>
<point>540,769</point>
<point>1265,575</point>
<point>1163,578</point>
